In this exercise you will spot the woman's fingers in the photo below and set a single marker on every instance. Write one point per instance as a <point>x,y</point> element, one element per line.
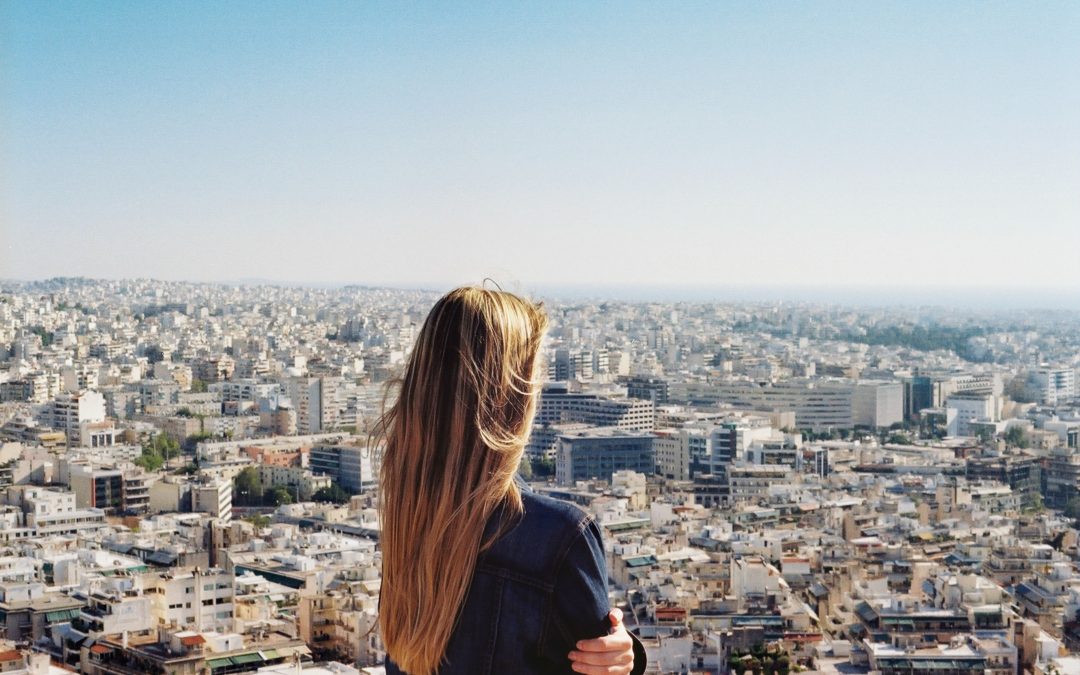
<point>602,670</point>
<point>613,642</point>
<point>608,658</point>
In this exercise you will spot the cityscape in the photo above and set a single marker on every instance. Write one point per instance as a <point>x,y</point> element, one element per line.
<point>189,486</point>
<point>810,380</point>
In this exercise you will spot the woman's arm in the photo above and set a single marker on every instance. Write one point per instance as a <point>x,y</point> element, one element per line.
<point>580,611</point>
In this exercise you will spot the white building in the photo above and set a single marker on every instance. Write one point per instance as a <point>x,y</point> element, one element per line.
<point>1055,384</point>
<point>68,412</point>
<point>213,497</point>
<point>198,600</point>
<point>877,404</point>
<point>970,408</point>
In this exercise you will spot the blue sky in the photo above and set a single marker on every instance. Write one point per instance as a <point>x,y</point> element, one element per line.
<point>669,144</point>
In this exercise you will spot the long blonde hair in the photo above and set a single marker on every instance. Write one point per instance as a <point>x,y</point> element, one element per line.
<point>453,440</point>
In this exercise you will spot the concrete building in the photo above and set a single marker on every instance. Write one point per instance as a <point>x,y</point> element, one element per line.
<point>43,512</point>
<point>97,488</point>
<point>877,404</point>
<point>558,405</point>
<point>348,465</point>
<point>1061,479</point>
<point>970,408</point>
<point>196,599</point>
<point>599,452</point>
<point>28,611</point>
<point>301,482</point>
<point>69,411</point>
<point>818,405</point>
<point>1022,473</point>
<point>170,494</point>
<point>653,389</point>
<point>213,496</point>
<point>314,399</point>
<point>672,450</point>
<point>1055,384</point>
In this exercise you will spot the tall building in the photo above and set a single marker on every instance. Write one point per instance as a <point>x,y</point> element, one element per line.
<point>599,452</point>
<point>348,465</point>
<point>970,408</point>
<point>653,389</point>
<point>919,394</point>
<point>214,497</point>
<point>1061,479</point>
<point>69,411</point>
<point>1022,473</point>
<point>1055,385</point>
<point>575,364</point>
<point>558,405</point>
<point>97,488</point>
<point>315,401</point>
<point>818,405</point>
<point>198,599</point>
<point>877,404</point>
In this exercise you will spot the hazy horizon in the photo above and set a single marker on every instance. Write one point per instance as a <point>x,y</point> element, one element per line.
<point>960,297</point>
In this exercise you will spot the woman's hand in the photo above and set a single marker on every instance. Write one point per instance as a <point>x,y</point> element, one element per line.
<point>612,654</point>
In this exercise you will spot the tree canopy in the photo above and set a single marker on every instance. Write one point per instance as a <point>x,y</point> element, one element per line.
<point>157,452</point>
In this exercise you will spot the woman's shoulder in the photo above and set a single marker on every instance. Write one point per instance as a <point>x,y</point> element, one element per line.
<point>540,537</point>
<point>550,511</point>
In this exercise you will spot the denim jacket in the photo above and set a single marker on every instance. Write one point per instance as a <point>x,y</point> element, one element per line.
<point>538,590</point>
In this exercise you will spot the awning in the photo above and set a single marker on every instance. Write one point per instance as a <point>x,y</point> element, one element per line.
<point>240,659</point>
<point>61,616</point>
<point>164,558</point>
<point>219,663</point>
<point>271,654</point>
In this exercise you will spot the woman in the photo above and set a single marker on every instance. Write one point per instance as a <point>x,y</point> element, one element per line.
<point>480,574</point>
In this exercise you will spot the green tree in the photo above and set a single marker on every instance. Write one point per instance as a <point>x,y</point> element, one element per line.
<point>198,386</point>
<point>191,443</point>
<point>277,495</point>
<point>334,494</point>
<point>150,459</point>
<point>247,487</point>
<point>167,448</point>
<point>258,520</point>
<point>1072,508</point>
<point>1016,438</point>
<point>542,467</point>
<point>46,336</point>
<point>1037,505</point>
<point>783,664</point>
